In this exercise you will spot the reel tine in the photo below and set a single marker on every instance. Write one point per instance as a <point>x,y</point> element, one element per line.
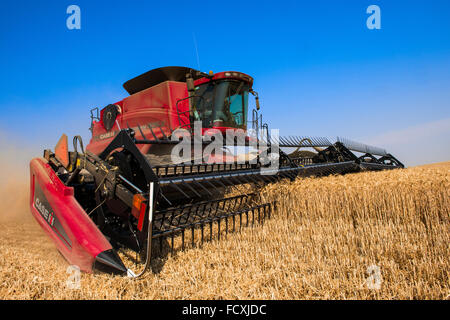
<point>162,131</point>
<point>172,242</point>
<point>202,226</point>
<point>317,141</point>
<point>299,141</point>
<point>142,133</point>
<point>210,230</point>
<point>275,140</point>
<point>214,187</point>
<point>240,221</point>
<point>218,227</point>
<point>182,240</point>
<point>219,181</point>
<point>259,214</point>
<point>293,142</point>
<point>151,130</point>
<point>250,179</point>
<point>164,197</point>
<point>246,213</point>
<point>179,189</point>
<point>284,141</point>
<point>313,142</point>
<point>192,189</point>
<point>199,184</point>
<point>288,141</point>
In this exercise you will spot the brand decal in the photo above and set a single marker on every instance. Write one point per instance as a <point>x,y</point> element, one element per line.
<point>45,210</point>
<point>107,135</point>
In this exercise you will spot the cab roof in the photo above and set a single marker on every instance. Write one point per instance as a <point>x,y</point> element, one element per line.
<point>156,76</point>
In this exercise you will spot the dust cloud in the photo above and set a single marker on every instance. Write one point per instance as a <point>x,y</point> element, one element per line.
<point>14,179</point>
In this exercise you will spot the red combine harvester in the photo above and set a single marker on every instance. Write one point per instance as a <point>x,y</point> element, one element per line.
<point>127,190</point>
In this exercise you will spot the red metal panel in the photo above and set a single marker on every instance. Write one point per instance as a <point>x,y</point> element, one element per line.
<point>226,75</point>
<point>63,219</point>
<point>155,106</point>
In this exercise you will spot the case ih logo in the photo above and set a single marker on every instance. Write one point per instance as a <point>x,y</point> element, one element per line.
<point>44,212</point>
<point>107,135</point>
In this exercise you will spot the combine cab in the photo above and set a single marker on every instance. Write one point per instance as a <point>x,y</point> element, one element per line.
<point>174,157</point>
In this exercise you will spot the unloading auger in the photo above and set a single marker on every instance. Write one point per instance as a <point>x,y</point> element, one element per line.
<point>127,191</point>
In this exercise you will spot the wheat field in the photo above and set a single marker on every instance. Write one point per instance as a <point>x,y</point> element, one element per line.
<point>372,235</point>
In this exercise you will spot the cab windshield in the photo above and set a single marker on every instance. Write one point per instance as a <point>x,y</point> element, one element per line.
<point>222,104</point>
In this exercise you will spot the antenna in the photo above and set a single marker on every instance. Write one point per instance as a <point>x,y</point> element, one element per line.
<point>196,50</point>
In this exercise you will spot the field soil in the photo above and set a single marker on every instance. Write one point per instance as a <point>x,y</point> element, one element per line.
<point>374,235</point>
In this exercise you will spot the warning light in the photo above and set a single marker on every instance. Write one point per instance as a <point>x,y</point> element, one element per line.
<point>138,210</point>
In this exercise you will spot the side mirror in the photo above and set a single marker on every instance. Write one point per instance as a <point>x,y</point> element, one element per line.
<point>256,98</point>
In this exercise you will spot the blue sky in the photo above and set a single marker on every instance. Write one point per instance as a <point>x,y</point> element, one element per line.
<point>317,67</point>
